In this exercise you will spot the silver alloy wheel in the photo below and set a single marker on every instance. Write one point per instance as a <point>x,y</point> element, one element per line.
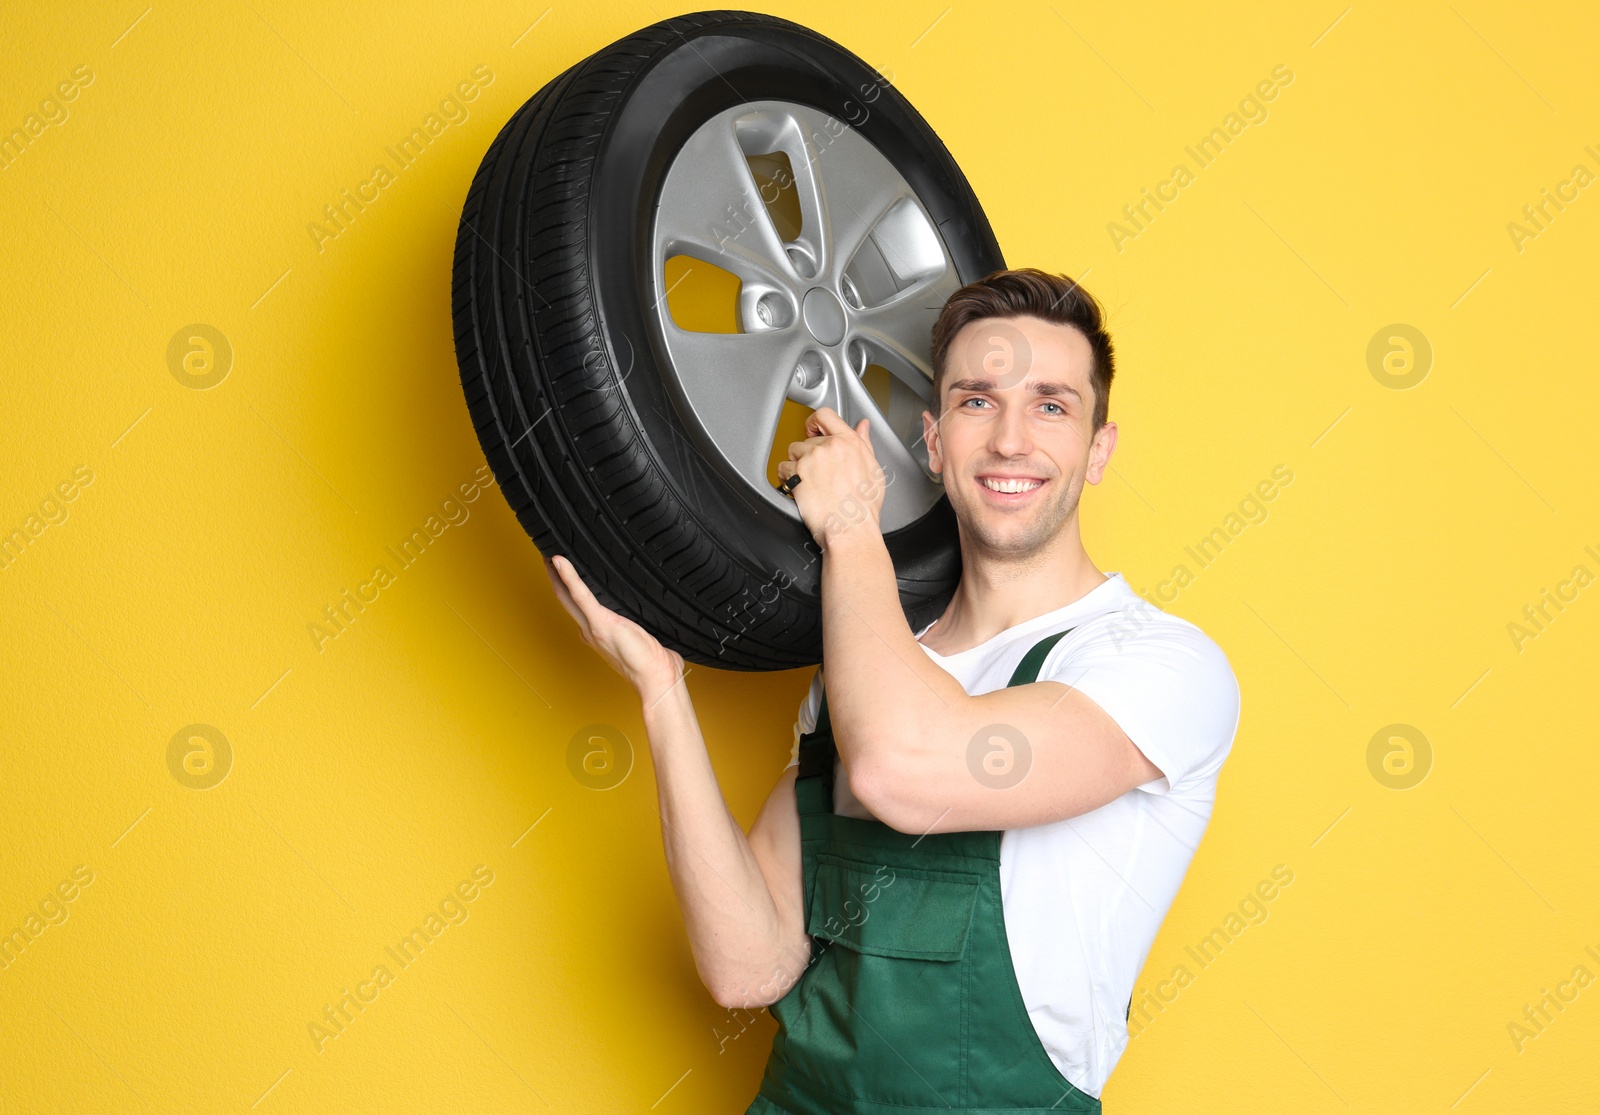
<point>860,284</point>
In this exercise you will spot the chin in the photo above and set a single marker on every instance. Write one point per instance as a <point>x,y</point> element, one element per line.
<point>1011,534</point>
<point>1000,534</point>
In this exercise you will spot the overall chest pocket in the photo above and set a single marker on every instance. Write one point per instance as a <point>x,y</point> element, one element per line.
<point>881,909</point>
<point>885,1014</point>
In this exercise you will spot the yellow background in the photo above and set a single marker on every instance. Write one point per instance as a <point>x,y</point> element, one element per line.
<point>369,778</point>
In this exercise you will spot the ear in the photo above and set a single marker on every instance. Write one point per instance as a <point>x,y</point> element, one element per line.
<point>1100,452</point>
<point>930,438</point>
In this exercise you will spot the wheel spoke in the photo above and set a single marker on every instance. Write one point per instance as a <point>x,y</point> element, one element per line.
<point>735,385</point>
<point>713,210</point>
<point>846,187</point>
<point>901,330</point>
<point>909,493</point>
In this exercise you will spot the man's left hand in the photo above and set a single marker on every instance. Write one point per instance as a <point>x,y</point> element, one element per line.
<point>841,483</point>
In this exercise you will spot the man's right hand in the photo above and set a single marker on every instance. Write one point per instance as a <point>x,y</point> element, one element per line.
<point>629,649</point>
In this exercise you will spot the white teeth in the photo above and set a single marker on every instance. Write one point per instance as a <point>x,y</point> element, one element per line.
<point>1010,485</point>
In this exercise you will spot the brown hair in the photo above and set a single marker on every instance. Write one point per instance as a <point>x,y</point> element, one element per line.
<point>1028,291</point>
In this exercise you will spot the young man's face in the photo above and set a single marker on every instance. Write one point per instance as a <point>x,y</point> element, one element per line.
<point>1018,412</point>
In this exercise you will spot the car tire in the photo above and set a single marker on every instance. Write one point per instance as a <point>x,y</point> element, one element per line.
<point>613,446</point>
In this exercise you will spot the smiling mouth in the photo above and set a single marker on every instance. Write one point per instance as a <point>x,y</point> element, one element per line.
<point>1010,489</point>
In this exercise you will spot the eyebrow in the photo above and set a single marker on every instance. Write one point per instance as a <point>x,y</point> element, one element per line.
<point>1039,388</point>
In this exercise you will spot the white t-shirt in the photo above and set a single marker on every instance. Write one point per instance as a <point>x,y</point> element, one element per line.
<point>1084,897</point>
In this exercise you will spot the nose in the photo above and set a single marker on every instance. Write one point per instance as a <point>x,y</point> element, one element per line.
<point>1010,436</point>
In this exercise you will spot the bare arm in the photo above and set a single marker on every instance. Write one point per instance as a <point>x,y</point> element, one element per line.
<point>740,896</point>
<point>922,754</point>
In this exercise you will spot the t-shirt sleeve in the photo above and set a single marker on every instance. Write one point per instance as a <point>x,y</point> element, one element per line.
<point>807,718</point>
<point>1165,683</point>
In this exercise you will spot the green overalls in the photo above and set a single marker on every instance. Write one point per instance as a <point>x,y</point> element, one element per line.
<point>910,1003</point>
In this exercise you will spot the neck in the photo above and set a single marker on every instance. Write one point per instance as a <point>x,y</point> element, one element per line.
<point>997,591</point>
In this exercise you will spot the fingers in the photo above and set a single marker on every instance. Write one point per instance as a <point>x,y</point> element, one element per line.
<point>563,595</point>
<point>564,577</point>
<point>581,596</point>
<point>823,422</point>
<point>826,420</point>
<point>864,429</point>
<point>592,609</point>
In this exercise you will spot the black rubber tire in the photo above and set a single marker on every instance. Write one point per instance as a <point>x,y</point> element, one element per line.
<point>560,360</point>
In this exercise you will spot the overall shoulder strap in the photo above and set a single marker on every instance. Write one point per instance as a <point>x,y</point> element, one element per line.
<point>1027,670</point>
<point>816,746</point>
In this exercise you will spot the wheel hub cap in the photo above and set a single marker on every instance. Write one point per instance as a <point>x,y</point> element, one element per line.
<point>824,316</point>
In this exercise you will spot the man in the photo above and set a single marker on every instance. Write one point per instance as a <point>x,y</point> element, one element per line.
<point>950,892</point>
